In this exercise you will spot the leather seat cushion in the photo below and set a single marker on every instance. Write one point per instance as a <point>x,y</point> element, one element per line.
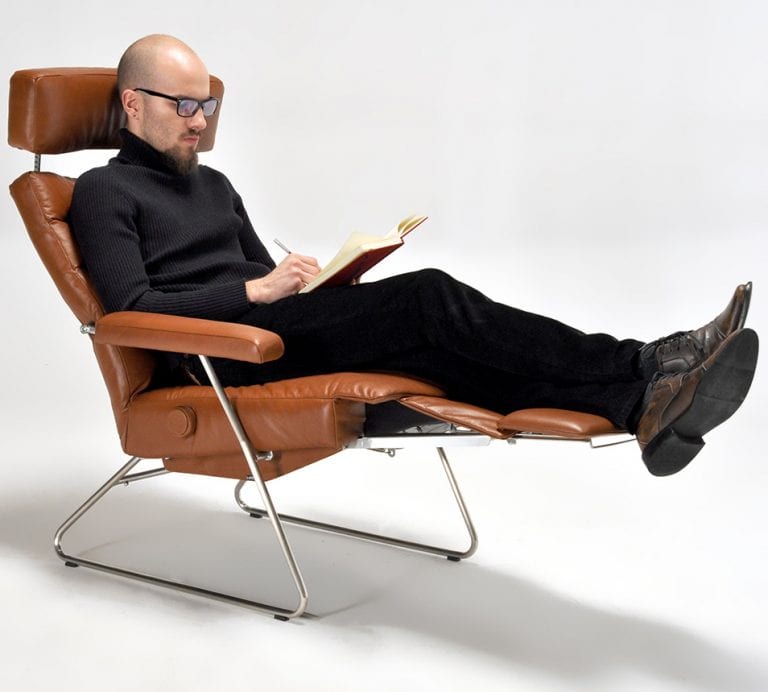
<point>322,411</point>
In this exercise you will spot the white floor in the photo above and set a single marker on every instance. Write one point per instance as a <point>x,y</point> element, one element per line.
<point>590,574</point>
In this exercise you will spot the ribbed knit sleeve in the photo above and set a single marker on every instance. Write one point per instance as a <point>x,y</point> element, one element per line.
<point>155,241</point>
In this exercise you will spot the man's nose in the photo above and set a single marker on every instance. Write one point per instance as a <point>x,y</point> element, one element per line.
<point>198,121</point>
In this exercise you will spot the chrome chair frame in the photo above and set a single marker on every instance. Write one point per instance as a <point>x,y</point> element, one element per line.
<point>124,476</point>
<point>450,437</point>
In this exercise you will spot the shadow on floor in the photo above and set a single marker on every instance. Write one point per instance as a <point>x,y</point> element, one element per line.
<point>361,586</point>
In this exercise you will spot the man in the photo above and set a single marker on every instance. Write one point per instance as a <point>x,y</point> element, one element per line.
<point>160,233</point>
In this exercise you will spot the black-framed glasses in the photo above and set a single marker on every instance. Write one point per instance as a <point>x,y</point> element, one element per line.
<point>186,107</point>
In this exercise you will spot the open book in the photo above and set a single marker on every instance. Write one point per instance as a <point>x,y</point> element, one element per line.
<point>360,253</point>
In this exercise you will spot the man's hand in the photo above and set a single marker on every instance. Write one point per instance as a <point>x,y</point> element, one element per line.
<point>287,279</point>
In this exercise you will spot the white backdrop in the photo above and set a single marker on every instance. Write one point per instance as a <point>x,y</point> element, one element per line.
<point>602,162</point>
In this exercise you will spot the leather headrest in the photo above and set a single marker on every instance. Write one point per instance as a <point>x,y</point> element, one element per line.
<point>57,110</point>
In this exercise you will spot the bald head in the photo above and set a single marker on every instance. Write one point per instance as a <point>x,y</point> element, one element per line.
<point>154,73</point>
<point>151,60</point>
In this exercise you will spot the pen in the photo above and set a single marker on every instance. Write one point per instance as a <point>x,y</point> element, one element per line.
<point>281,246</point>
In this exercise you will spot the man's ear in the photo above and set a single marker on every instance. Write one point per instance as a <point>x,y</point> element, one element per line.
<point>131,102</point>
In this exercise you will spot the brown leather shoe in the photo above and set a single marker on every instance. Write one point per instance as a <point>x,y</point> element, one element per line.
<point>682,351</point>
<point>679,409</point>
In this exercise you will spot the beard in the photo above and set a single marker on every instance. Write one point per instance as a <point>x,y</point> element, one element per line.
<point>180,163</point>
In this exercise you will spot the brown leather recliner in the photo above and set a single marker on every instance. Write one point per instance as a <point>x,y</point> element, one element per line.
<point>254,433</point>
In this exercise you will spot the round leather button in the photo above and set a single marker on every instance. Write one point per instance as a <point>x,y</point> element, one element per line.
<point>181,421</point>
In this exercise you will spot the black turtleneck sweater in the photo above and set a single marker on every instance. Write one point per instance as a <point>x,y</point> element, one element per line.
<point>157,241</point>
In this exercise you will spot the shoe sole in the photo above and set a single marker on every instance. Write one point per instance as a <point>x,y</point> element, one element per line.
<point>722,389</point>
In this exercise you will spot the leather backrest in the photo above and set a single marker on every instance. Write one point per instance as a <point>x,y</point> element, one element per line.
<point>58,110</point>
<point>43,200</point>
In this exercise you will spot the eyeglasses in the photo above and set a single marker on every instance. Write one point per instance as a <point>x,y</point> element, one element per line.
<point>187,107</point>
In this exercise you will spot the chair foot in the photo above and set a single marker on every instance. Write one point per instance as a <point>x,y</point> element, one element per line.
<point>453,558</point>
<point>71,564</point>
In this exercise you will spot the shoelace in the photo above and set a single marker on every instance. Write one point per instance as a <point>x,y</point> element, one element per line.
<point>678,346</point>
<point>674,343</point>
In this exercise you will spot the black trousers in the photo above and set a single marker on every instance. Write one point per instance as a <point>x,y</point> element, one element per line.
<point>428,325</point>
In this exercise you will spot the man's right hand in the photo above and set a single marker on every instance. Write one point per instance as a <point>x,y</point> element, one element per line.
<point>287,279</point>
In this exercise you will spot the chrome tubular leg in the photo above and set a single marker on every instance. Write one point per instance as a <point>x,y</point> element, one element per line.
<point>239,498</point>
<point>123,476</point>
<point>88,504</point>
<point>462,506</point>
<point>251,458</point>
<point>453,555</point>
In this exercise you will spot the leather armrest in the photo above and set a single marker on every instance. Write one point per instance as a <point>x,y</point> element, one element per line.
<point>188,335</point>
